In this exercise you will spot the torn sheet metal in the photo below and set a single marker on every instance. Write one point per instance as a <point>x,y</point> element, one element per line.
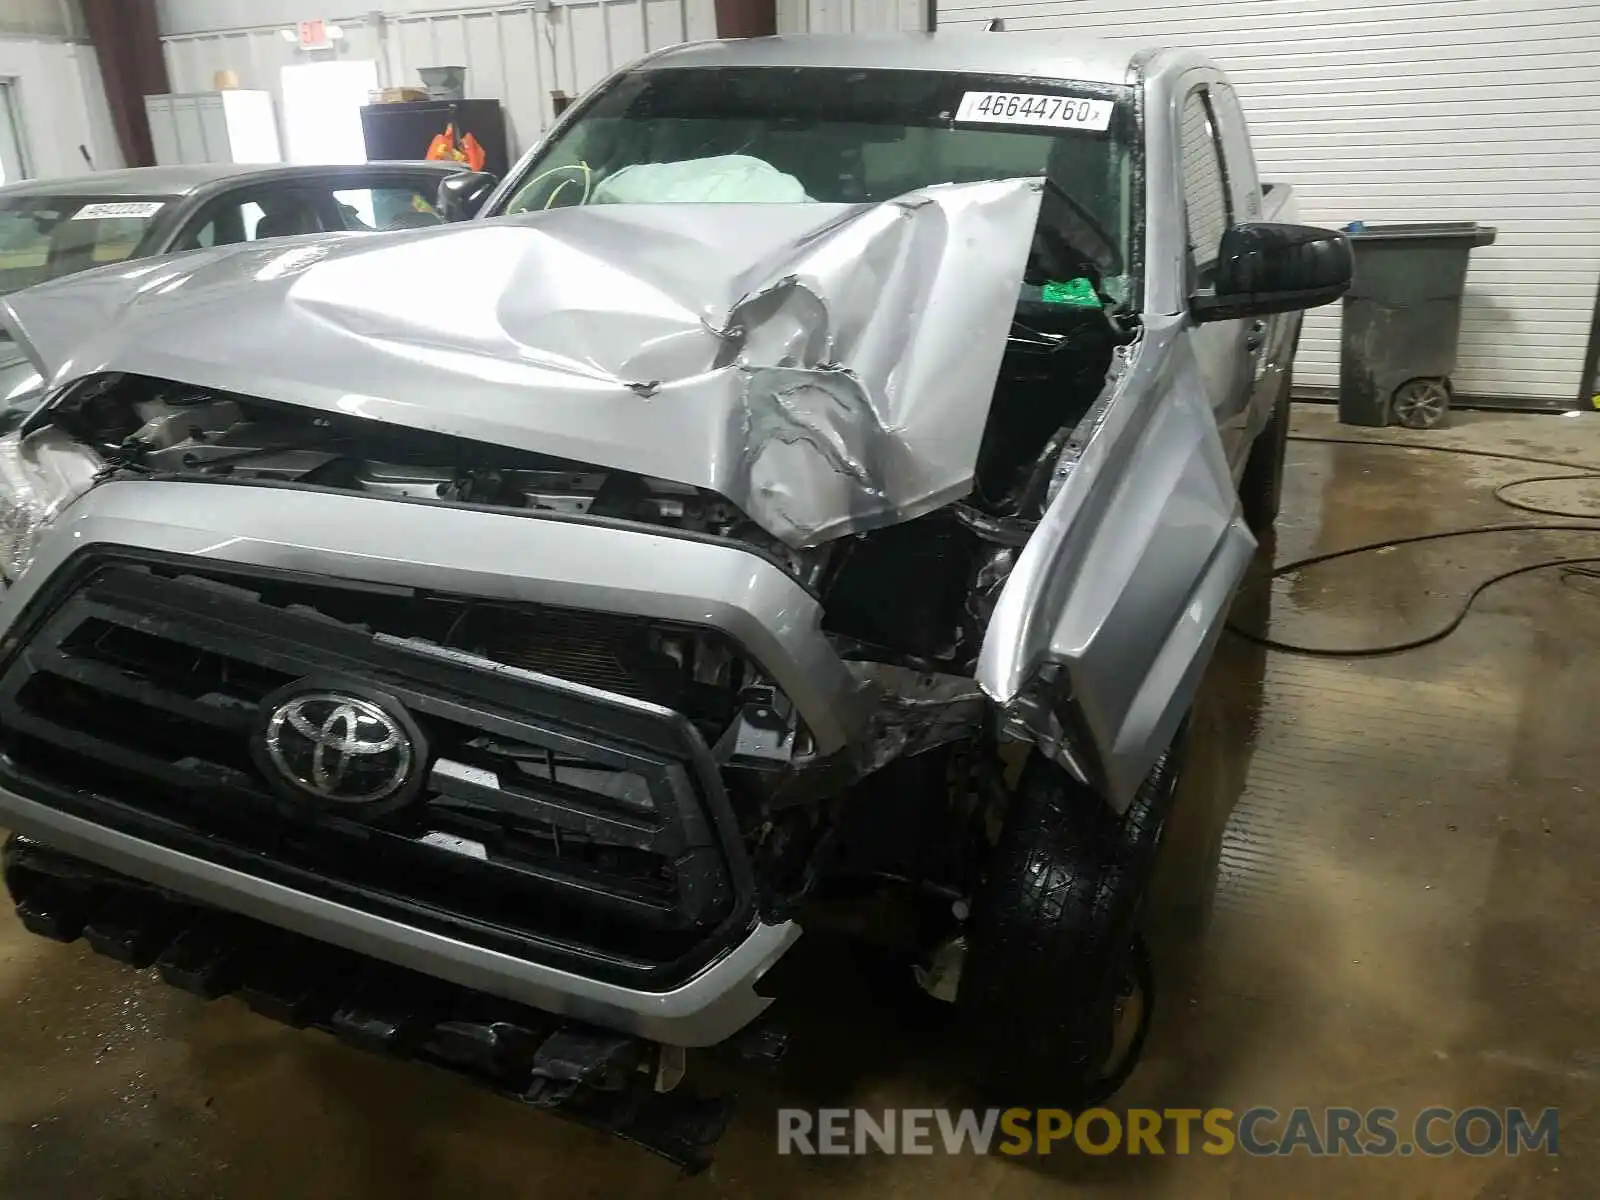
<point>917,711</point>
<point>913,711</point>
<point>826,367</point>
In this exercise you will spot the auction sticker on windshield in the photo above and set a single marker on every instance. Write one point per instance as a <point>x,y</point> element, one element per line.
<point>1022,108</point>
<point>121,209</point>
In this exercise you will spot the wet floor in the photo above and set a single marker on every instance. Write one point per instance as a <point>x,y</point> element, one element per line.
<point>1379,889</point>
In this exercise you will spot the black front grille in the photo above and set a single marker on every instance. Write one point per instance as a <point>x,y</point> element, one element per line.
<point>557,823</point>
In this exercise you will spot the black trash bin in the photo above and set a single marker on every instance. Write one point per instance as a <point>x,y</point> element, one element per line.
<point>1402,321</point>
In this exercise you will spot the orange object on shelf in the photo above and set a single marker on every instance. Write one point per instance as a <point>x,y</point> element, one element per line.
<point>446,147</point>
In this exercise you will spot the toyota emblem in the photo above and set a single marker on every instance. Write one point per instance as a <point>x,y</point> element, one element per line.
<point>339,747</point>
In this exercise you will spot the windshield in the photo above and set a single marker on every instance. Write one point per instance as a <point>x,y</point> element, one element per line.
<point>46,237</point>
<point>810,134</point>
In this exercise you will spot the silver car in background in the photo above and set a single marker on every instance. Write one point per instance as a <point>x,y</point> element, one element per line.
<point>53,228</point>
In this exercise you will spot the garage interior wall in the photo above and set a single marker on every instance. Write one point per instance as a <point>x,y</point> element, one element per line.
<point>513,53</point>
<point>1412,110</point>
<point>851,16</point>
<point>60,103</point>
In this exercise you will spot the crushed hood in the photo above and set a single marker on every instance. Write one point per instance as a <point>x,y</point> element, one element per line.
<point>828,368</point>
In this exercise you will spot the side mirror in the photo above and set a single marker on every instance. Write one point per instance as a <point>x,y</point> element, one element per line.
<point>1265,268</point>
<point>461,196</point>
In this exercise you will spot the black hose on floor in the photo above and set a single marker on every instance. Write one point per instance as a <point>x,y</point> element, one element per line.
<point>1570,522</point>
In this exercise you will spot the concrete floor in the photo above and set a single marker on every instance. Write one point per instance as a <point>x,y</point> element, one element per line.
<point>1379,889</point>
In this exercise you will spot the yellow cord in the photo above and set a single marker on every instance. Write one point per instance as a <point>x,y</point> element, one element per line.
<point>580,165</point>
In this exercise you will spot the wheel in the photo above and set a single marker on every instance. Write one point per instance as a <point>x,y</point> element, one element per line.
<point>1420,403</point>
<point>1261,485</point>
<point>1054,962</point>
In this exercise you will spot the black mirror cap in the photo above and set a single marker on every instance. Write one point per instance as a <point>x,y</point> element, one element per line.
<point>1266,268</point>
<point>461,196</point>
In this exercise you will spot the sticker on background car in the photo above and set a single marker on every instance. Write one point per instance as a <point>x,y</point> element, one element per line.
<point>119,210</point>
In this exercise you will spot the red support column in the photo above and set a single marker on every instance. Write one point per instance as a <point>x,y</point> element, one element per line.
<point>127,43</point>
<point>746,18</point>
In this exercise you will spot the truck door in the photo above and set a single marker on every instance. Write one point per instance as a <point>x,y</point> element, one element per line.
<point>1224,349</point>
<point>1102,631</point>
<point>1266,338</point>
<point>1238,161</point>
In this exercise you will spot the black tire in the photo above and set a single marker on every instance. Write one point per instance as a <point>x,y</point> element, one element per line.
<point>1261,485</point>
<point>1053,946</point>
<point>1421,403</point>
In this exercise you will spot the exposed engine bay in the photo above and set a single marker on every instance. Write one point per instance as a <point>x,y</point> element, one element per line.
<point>142,426</point>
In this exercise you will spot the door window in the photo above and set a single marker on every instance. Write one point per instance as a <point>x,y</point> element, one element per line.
<point>1238,160</point>
<point>402,206</point>
<point>252,215</point>
<point>1206,207</point>
<point>13,167</point>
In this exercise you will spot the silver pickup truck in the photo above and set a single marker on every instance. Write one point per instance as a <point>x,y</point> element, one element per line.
<point>828,467</point>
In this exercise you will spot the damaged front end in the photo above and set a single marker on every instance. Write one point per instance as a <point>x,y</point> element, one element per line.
<point>847,390</point>
<point>701,554</point>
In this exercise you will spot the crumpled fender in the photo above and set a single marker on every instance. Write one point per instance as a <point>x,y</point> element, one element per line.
<point>1104,627</point>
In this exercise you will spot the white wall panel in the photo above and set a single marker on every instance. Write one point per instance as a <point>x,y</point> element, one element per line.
<point>42,18</point>
<point>63,105</point>
<point>851,16</point>
<point>207,16</point>
<point>511,52</point>
<point>1404,110</point>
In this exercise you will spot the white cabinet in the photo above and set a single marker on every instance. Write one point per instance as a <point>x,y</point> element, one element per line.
<point>235,125</point>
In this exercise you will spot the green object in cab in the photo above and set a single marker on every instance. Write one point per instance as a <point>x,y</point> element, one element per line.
<point>1074,293</point>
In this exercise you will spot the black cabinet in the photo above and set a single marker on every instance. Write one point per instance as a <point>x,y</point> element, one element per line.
<point>472,130</point>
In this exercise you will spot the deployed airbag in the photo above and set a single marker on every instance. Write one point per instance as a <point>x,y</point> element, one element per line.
<point>723,179</point>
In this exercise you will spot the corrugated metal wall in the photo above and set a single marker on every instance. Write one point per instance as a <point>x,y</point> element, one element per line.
<point>62,105</point>
<point>42,18</point>
<point>512,53</point>
<point>206,16</point>
<point>1393,110</point>
<point>60,99</point>
<point>851,16</point>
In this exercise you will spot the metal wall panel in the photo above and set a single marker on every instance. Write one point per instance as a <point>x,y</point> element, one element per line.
<point>42,18</point>
<point>62,105</point>
<point>851,16</point>
<point>511,52</point>
<point>1405,110</point>
<point>208,16</point>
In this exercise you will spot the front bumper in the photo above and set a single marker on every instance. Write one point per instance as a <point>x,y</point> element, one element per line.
<point>465,552</point>
<point>597,1077</point>
<point>703,1011</point>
